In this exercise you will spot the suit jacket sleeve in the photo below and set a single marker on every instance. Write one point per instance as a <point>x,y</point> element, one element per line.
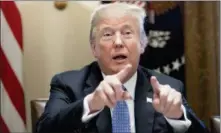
<point>196,125</point>
<point>63,111</point>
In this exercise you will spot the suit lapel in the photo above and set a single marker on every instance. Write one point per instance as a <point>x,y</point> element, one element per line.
<point>144,111</point>
<point>94,78</point>
<point>103,122</point>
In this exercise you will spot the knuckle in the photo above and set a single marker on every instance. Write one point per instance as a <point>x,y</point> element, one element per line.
<point>117,85</point>
<point>102,83</point>
<point>179,94</point>
<point>167,86</point>
<point>112,94</point>
<point>172,91</point>
<point>175,103</point>
<point>163,94</point>
<point>117,82</point>
<point>98,90</point>
<point>169,100</point>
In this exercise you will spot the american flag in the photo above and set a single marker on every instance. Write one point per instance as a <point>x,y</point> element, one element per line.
<point>12,111</point>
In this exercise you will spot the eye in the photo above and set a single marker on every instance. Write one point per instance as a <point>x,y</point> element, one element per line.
<point>128,32</point>
<point>107,34</point>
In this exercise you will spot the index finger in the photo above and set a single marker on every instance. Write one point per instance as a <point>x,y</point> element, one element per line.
<point>123,73</point>
<point>155,84</point>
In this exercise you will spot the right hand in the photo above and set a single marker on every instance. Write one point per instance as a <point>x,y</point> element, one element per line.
<point>109,91</point>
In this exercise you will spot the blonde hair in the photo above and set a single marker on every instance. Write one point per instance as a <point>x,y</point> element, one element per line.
<point>119,9</point>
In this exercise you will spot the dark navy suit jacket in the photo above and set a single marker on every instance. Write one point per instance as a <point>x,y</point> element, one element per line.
<point>64,109</point>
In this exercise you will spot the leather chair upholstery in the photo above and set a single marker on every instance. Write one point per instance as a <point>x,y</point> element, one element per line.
<point>215,124</point>
<point>37,108</point>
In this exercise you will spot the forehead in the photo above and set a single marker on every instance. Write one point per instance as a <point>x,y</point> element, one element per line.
<point>117,22</point>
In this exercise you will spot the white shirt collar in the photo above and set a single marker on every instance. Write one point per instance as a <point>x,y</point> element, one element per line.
<point>130,84</point>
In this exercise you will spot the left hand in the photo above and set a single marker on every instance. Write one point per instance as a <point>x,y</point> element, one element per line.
<point>166,100</point>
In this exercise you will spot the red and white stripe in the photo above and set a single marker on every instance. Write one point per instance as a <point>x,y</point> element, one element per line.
<point>12,115</point>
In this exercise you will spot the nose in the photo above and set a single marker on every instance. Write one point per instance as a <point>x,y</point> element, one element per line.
<point>118,41</point>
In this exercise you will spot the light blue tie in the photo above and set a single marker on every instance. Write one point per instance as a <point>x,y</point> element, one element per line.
<point>121,118</point>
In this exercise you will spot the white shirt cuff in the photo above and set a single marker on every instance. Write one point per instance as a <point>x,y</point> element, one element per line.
<point>86,116</point>
<point>180,126</point>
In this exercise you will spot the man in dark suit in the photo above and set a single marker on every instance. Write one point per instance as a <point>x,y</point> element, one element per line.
<point>115,94</point>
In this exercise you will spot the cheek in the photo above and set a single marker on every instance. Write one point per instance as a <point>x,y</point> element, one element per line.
<point>104,49</point>
<point>134,47</point>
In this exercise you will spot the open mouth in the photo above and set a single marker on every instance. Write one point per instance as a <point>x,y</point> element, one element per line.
<point>119,57</point>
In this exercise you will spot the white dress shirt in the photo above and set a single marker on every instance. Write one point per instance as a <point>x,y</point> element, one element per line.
<point>179,126</point>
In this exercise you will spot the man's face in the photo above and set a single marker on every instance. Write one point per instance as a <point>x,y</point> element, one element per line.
<point>117,43</point>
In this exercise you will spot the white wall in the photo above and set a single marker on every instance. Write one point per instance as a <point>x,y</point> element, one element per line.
<point>54,41</point>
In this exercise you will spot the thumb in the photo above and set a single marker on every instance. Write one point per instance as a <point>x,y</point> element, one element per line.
<point>155,84</point>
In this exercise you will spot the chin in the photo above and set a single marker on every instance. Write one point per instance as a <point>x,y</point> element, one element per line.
<point>117,68</point>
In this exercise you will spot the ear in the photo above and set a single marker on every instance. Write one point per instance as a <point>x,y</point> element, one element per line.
<point>93,49</point>
<point>141,50</point>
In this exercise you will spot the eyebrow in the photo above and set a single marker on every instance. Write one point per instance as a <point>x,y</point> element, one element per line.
<point>105,29</point>
<point>127,26</point>
<point>123,27</point>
